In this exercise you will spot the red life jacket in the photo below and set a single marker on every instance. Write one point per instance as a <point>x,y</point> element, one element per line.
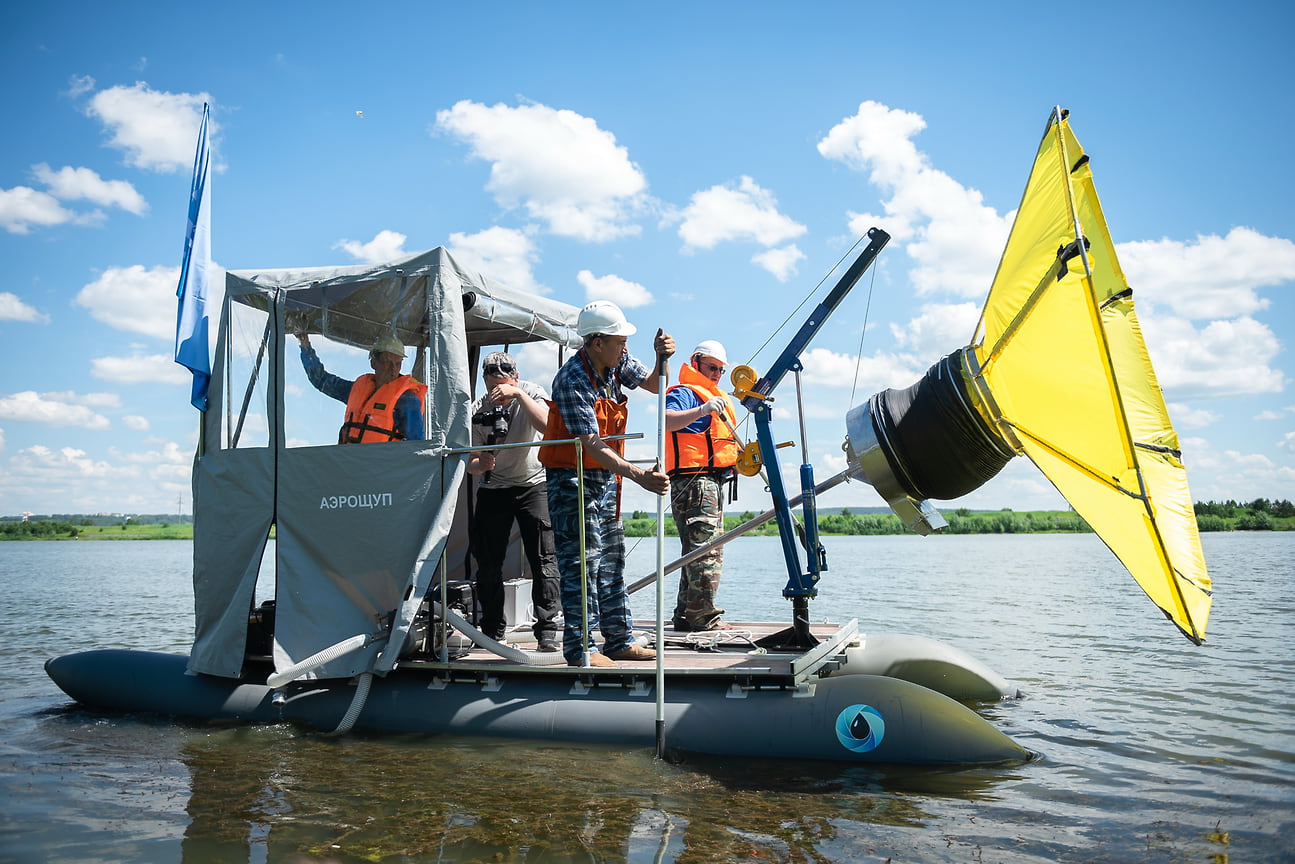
<point>687,452</point>
<point>370,409</point>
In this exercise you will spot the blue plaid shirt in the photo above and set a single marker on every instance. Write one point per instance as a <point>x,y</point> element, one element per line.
<point>574,391</point>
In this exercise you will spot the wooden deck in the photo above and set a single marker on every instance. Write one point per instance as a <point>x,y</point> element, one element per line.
<point>732,654</point>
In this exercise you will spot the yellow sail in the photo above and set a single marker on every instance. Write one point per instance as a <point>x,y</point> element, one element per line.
<point>1063,372</point>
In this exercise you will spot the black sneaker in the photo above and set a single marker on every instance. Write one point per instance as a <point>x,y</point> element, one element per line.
<point>549,645</point>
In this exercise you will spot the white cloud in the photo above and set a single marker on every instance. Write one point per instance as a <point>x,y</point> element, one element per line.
<point>157,130</point>
<point>50,467</point>
<point>385,246</point>
<point>90,400</point>
<point>1187,417</point>
<point>939,329</point>
<point>79,85</point>
<point>505,254</point>
<point>1231,474</point>
<point>828,368</point>
<point>1287,443</point>
<point>134,299</point>
<point>1223,358</point>
<point>1215,277</point>
<point>22,207</point>
<point>954,238</point>
<point>1277,414</point>
<point>724,213</point>
<point>556,164</point>
<point>622,292</point>
<point>135,423</point>
<point>49,409</point>
<point>140,368</point>
<point>73,184</point>
<point>780,262</point>
<point>13,309</point>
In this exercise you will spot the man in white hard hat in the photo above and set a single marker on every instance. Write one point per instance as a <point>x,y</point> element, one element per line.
<point>701,450</point>
<point>588,404</point>
<point>382,406</point>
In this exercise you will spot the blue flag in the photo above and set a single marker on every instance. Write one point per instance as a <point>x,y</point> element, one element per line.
<point>191,346</point>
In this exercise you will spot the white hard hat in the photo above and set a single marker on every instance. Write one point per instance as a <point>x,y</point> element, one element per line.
<point>388,345</point>
<point>605,318</point>
<point>710,348</point>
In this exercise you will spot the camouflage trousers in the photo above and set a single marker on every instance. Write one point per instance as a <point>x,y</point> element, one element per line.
<point>697,504</point>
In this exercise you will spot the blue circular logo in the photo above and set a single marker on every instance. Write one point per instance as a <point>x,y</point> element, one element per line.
<point>860,728</point>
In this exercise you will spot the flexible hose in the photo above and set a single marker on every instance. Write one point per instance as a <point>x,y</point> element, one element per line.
<point>314,661</point>
<point>357,705</point>
<point>516,655</point>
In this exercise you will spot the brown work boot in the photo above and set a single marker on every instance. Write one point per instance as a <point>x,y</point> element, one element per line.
<point>596,658</point>
<point>635,652</point>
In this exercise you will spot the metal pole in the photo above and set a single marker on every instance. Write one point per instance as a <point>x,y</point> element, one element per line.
<point>584,561</point>
<point>662,382</point>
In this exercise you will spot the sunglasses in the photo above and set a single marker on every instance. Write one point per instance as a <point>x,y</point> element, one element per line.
<point>500,370</point>
<point>711,367</point>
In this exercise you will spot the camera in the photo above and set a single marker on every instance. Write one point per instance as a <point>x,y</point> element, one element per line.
<point>496,418</point>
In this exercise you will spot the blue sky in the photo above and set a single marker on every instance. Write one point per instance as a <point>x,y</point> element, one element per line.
<point>703,164</point>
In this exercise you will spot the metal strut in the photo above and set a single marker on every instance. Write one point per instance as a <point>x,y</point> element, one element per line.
<point>801,584</point>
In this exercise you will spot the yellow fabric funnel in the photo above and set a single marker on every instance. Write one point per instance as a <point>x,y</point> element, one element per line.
<point>1063,372</point>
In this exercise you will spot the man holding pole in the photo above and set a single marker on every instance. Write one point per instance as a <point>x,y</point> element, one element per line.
<point>591,407</point>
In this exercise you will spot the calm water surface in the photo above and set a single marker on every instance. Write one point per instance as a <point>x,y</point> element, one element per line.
<point>1149,749</point>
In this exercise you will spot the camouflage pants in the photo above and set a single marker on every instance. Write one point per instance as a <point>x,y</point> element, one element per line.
<point>698,506</point>
<point>606,603</point>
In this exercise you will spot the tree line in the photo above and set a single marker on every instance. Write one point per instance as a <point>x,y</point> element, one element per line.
<point>1258,515</point>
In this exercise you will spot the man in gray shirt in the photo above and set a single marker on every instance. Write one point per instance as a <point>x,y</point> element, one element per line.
<point>512,490</point>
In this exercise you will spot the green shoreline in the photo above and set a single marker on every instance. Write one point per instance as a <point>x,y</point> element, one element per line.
<point>842,522</point>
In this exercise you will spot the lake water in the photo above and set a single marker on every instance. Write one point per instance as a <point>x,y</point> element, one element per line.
<point>1149,749</point>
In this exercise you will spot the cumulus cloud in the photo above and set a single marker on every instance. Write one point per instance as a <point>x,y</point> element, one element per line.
<point>869,374</point>
<point>780,262</point>
<point>938,329</point>
<point>555,164</point>
<point>135,423</point>
<point>140,368</point>
<point>154,128</point>
<point>622,292</point>
<point>23,207</point>
<point>745,212</point>
<point>1214,277</point>
<point>135,299</point>
<point>1275,414</point>
<point>13,309</point>
<point>954,238</point>
<point>385,246</point>
<point>505,254</point>
<point>50,409</point>
<point>1187,417</point>
<point>73,184</point>
<point>1223,358</point>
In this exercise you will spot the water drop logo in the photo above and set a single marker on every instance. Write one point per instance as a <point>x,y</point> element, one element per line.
<point>860,728</point>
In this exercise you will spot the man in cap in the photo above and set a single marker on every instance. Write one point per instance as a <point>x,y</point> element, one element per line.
<point>701,450</point>
<point>382,406</point>
<point>512,411</point>
<point>589,404</point>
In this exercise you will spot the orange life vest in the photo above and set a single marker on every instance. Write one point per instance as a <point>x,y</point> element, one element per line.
<point>613,417</point>
<point>370,409</point>
<point>702,451</point>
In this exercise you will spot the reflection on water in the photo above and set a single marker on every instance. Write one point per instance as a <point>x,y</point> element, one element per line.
<point>1151,749</point>
<point>377,798</point>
